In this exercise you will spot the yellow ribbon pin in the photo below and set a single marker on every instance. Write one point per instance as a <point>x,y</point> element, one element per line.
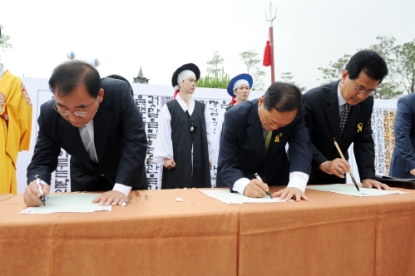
<point>359,127</point>
<point>277,138</point>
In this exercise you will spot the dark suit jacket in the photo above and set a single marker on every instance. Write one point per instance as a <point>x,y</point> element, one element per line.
<point>242,148</point>
<point>403,158</point>
<point>119,136</point>
<point>323,122</point>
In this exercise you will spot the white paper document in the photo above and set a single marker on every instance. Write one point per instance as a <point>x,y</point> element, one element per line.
<point>68,203</point>
<point>235,198</point>
<point>351,190</point>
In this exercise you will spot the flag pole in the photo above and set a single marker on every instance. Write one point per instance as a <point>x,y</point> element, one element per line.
<point>270,19</point>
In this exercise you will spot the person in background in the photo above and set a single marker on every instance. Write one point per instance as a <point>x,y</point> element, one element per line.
<point>238,88</point>
<point>15,127</point>
<point>184,139</point>
<point>403,157</point>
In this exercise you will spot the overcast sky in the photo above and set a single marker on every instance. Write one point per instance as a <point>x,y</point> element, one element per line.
<point>162,35</point>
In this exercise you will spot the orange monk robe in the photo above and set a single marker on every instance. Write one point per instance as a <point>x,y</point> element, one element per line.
<point>15,128</point>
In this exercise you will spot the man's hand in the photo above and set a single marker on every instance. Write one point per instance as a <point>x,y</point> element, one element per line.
<point>412,172</point>
<point>290,193</point>
<point>169,163</point>
<point>370,183</point>
<point>256,188</point>
<point>32,195</point>
<point>110,198</point>
<point>338,167</point>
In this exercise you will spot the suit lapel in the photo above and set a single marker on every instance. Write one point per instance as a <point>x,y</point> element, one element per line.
<point>332,111</point>
<point>255,132</point>
<point>102,123</point>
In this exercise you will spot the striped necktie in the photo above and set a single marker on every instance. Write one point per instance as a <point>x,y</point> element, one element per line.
<point>344,116</point>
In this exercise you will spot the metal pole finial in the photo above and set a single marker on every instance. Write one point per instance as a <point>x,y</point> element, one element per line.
<point>271,17</point>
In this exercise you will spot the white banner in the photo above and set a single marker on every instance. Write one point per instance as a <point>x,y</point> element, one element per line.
<point>150,98</point>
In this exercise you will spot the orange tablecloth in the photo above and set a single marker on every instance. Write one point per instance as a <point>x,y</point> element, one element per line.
<point>332,234</point>
<point>153,235</point>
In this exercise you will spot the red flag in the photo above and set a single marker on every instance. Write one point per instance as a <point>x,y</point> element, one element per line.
<point>267,55</point>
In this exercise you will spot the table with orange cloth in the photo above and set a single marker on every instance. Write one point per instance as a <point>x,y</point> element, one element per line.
<point>153,235</point>
<point>331,234</point>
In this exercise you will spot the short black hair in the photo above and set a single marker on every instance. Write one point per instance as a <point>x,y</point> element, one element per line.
<point>283,97</point>
<point>369,62</point>
<point>71,74</point>
<point>118,77</point>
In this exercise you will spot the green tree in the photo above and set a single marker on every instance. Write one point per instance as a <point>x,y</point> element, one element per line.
<point>4,40</point>
<point>405,65</point>
<point>220,81</point>
<point>390,87</point>
<point>251,60</point>
<point>287,77</point>
<point>334,71</point>
<point>214,64</point>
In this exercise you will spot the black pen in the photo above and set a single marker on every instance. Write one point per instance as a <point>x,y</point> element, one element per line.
<point>259,178</point>
<point>39,186</point>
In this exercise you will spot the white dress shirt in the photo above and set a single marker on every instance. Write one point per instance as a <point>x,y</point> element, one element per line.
<point>87,137</point>
<point>341,100</point>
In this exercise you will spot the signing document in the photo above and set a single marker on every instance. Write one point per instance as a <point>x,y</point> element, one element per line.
<point>350,190</point>
<point>68,203</point>
<point>235,198</point>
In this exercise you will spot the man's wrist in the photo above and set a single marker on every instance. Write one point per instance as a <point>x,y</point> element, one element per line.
<point>325,165</point>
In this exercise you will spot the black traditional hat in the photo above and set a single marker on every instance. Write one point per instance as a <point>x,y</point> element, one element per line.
<point>189,66</point>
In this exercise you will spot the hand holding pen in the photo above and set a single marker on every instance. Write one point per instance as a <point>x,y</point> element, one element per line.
<point>39,186</point>
<point>36,192</point>
<point>256,188</point>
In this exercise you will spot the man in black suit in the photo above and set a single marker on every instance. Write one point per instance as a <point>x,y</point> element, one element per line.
<point>254,138</point>
<point>348,100</point>
<point>105,136</point>
<point>403,157</point>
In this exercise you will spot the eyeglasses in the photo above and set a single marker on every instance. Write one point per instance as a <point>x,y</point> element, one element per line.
<point>367,92</point>
<point>76,113</point>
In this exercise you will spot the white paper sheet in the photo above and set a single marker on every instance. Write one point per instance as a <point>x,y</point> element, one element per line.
<point>68,203</point>
<point>351,190</point>
<point>235,198</point>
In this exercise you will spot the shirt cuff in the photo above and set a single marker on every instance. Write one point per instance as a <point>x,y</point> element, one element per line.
<point>240,184</point>
<point>298,180</point>
<point>122,188</point>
